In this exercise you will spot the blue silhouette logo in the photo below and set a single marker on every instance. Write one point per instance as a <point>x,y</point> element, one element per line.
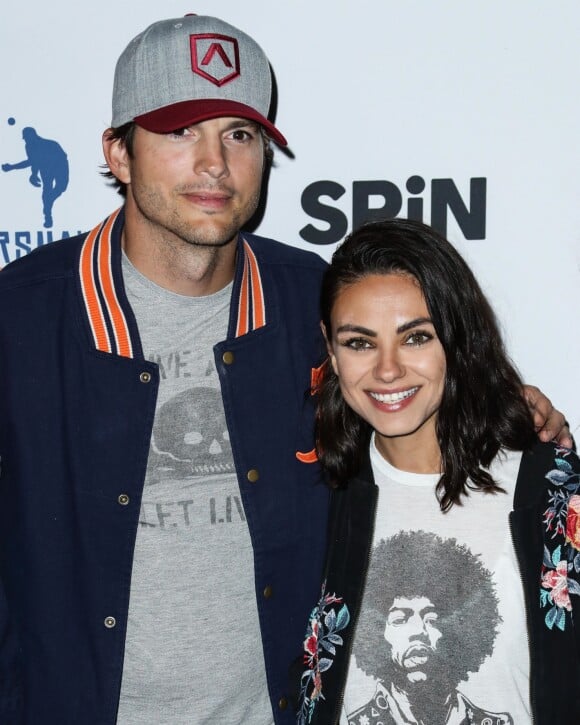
<point>48,165</point>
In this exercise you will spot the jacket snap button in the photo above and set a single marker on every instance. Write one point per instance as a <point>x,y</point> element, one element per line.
<point>228,357</point>
<point>282,703</point>
<point>253,475</point>
<point>145,377</point>
<point>123,499</point>
<point>267,592</point>
<point>110,622</point>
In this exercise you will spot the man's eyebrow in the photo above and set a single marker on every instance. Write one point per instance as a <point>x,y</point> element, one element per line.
<point>242,123</point>
<point>410,610</point>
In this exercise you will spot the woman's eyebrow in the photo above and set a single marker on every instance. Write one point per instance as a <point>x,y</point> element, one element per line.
<point>414,323</point>
<point>356,328</point>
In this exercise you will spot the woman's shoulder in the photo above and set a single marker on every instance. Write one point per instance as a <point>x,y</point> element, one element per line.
<point>552,457</point>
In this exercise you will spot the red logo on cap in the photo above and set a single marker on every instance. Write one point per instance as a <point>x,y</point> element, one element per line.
<point>215,57</point>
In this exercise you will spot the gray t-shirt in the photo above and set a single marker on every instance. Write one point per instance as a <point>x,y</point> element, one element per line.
<point>193,652</point>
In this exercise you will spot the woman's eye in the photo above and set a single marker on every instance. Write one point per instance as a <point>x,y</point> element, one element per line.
<point>418,338</point>
<point>357,343</point>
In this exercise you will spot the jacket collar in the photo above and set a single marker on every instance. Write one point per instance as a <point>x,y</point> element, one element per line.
<point>365,474</point>
<point>108,314</point>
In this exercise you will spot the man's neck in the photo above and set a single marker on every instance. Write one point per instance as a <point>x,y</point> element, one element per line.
<point>189,270</point>
<point>423,706</point>
<point>176,265</point>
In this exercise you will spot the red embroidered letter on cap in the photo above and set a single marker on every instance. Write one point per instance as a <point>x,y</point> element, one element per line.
<point>215,57</point>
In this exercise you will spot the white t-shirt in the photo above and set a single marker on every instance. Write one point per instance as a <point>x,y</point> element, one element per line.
<point>452,617</point>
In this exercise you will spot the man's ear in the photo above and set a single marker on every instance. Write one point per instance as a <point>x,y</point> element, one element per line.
<point>331,356</point>
<point>117,158</point>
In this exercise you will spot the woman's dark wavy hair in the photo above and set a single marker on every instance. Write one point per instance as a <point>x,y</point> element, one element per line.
<point>482,409</point>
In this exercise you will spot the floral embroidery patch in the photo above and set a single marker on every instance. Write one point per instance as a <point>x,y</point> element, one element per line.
<point>320,645</point>
<point>561,565</point>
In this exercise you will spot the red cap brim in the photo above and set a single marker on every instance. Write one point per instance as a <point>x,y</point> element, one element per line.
<point>186,113</point>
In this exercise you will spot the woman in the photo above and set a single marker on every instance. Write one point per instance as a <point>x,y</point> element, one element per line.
<point>451,585</point>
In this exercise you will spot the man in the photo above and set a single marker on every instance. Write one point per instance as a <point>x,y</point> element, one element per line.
<point>162,527</point>
<point>163,519</point>
<point>417,641</point>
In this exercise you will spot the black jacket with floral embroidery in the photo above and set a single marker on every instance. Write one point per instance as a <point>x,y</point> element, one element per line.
<point>545,527</point>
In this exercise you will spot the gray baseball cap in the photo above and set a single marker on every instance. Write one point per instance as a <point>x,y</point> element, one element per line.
<point>182,71</point>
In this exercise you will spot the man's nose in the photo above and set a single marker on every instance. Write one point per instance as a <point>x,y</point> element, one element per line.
<point>418,627</point>
<point>210,157</point>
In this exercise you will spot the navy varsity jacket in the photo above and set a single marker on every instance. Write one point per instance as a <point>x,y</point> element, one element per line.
<point>545,528</point>
<point>77,401</point>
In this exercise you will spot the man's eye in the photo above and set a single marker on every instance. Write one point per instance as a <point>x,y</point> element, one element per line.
<point>179,133</point>
<point>396,619</point>
<point>241,134</point>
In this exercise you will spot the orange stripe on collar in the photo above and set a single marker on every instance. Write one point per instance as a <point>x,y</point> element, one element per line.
<point>106,318</point>
<point>258,306</point>
<point>244,301</point>
<point>251,305</point>
<point>90,295</point>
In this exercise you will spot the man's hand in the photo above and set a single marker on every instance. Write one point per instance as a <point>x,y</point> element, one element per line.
<point>549,422</point>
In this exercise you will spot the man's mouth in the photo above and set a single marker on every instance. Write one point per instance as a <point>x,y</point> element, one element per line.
<point>417,655</point>
<point>416,660</point>
<point>209,199</point>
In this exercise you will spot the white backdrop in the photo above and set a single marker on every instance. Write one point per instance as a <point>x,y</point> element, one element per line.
<point>369,91</point>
